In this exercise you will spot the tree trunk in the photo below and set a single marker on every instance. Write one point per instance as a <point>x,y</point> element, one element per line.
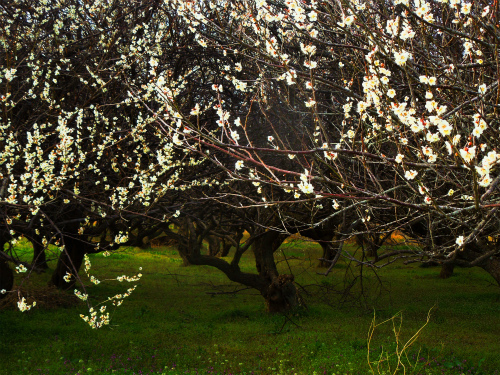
<point>6,273</point>
<point>476,255</point>
<point>279,291</point>
<point>226,246</point>
<point>187,243</point>
<point>39,258</point>
<point>328,254</point>
<point>281,295</point>
<point>70,261</point>
<point>213,245</point>
<point>446,270</point>
<point>6,277</point>
<point>492,266</point>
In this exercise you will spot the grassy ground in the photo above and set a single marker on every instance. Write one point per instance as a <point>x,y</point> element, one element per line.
<point>181,320</point>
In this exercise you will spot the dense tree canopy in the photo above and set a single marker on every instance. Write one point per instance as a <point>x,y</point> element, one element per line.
<point>332,119</point>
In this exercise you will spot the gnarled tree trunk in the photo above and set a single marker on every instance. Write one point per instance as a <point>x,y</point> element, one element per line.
<point>279,291</point>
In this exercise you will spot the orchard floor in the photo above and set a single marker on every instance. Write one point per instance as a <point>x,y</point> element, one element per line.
<point>192,320</point>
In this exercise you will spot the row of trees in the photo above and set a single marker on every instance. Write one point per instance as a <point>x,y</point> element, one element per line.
<point>329,119</point>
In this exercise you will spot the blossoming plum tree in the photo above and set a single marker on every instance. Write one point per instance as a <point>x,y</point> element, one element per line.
<point>83,162</point>
<point>394,104</point>
<point>338,117</point>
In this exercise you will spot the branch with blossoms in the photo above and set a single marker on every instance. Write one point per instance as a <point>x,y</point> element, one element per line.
<point>406,98</point>
<point>294,116</point>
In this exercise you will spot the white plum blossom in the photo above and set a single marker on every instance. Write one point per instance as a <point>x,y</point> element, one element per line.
<point>402,57</point>
<point>411,174</point>
<point>239,164</point>
<point>310,103</point>
<point>23,306</point>
<point>468,153</point>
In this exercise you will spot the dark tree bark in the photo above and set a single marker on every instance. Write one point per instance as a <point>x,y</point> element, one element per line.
<point>187,242</point>
<point>329,252</point>
<point>234,239</point>
<point>6,273</point>
<point>214,245</point>
<point>492,266</point>
<point>484,255</point>
<point>70,262</point>
<point>279,292</point>
<point>39,257</point>
<point>6,277</point>
<point>446,270</point>
<point>225,249</point>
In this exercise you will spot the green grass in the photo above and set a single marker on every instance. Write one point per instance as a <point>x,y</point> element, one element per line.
<point>176,323</point>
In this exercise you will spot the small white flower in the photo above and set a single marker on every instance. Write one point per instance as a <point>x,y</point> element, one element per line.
<point>460,240</point>
<point>311,102</point>
<point>411,174</point>
<point>400,58</point>
<point>482,89</point>
<point>310,64</point>
<point>196,110</point>
<point>468,153</point>
<point>235,135</point>
<point>21,268</point>
<point>485,181</point>
<point>466,7</point>
<point>239,164</point>
<point>349,20</point>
